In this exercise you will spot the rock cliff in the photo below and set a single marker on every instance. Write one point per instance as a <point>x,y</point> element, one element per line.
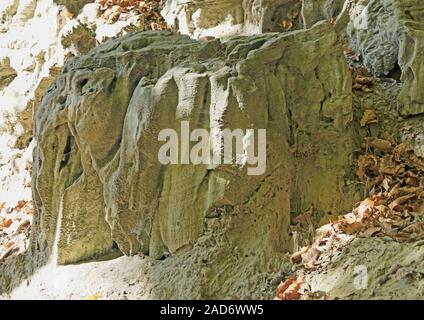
<point>97,179</point>
<point>100,92</point>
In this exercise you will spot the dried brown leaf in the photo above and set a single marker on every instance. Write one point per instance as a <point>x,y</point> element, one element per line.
<point>287,24</point>
<point>7,223</point>
<point>369,117</point>
<point>352,228</point>
<point>397,204</point>
<point>292,288</point>
<point>365,81</point>
<point>296,258</point>
<point>379,144</point>
<point>370,232</point>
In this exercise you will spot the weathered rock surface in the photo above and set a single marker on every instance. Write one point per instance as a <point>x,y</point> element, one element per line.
<point>97,184</point>
<point>97,179</point>
<point>74,5</point>
<point>217,18</point>
<point>36,38</point>
<point>373,268</point>
<point>388,34</point>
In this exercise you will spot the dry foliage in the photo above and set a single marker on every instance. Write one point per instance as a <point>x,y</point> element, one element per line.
<point>15,225</point>
<point>393,176</point>
<point>115,10</point>
<point>289,289</point>
<point>361,79</point>
<point>369,117</point>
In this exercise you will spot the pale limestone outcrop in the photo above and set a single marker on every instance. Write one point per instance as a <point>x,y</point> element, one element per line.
<point>97,179</point>
<point>219,18</point>
<point>387,33</point>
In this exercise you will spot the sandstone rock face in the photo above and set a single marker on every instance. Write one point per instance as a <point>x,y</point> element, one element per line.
<point>25,65</point>
<point>97,178</point>
<point>388,33</point>
<point>78,38</point>
<point>36,37</point>
<point>97,183</point>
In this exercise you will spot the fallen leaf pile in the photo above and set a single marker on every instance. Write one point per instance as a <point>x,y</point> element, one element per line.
<point>330,242</point>
<point>394,179</point>
<point>361,79</point>
<point>116,10</point>
<point>15,225</point>
<point>393,176</point>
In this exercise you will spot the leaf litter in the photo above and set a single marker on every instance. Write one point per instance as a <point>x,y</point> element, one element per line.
<point>15,226</point>
<point>121,10</point>
<point>393,176</point>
